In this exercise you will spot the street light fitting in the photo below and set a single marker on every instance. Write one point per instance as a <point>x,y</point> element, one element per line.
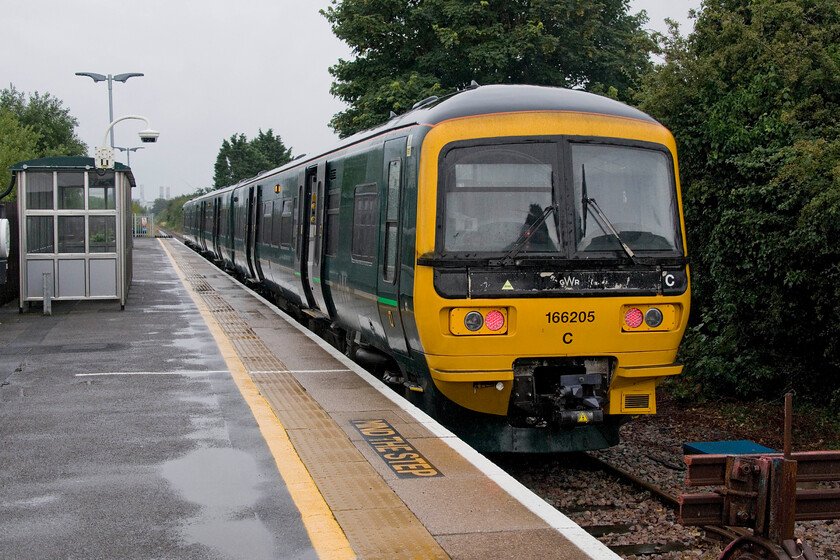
<point>94,76</point>
<point>123,77</point>
<point>110,79</point>
<point>128,152</point>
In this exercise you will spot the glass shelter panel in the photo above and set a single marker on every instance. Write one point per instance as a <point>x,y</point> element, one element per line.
<point>39,234</point>
<point>103,234</point>
<point>39,191</point>
<point>71,190</point>
<point>71,234</point>
<point>102,190</point>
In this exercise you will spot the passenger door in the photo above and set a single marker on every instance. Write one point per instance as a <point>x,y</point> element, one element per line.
<point>251,232</point>
<point>315,179</point>
<point>389,245</point>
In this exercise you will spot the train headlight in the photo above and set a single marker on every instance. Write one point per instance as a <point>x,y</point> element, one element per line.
<point>653,317</point>
<point>473,321</point>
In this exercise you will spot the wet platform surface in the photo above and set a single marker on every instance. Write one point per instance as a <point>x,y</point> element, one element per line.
<point>202,423</point>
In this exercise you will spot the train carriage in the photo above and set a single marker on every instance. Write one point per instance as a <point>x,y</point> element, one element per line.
<point>511,258</point>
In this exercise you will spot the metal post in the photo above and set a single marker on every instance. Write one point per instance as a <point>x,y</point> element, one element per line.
<point>48,293</point>
<point>788,424</point>
<point>111,105</point>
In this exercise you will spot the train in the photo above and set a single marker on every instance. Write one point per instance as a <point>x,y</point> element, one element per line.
<point>510,258</point>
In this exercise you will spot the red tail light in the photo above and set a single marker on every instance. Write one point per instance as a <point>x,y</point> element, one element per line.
<point>494,320</point>
<point>633,318</point>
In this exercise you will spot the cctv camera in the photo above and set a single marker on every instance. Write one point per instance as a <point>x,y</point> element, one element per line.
<point>149,135</point>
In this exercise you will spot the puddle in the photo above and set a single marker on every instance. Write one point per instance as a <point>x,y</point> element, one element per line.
<point>221,481</point>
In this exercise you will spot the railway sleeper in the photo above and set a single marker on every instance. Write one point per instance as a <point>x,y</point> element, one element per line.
<point>559,392</point>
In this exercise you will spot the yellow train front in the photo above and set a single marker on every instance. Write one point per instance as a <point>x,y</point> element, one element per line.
<point>551,286</point>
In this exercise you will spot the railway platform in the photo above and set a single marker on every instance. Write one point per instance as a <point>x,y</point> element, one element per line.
<point>201,422</point>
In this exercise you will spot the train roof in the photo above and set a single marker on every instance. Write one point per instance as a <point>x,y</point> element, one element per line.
<point>505,98</point>
<point>479,100</point>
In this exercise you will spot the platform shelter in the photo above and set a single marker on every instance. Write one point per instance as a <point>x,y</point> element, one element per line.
<point>75,229</point>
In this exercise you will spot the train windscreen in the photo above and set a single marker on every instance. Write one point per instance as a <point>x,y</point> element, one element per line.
<point>529,198</point>
<point>632,187</point>
<point>494,194</point>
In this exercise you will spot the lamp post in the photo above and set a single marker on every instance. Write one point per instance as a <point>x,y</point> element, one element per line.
<point>128,152</point>
<point>104,155</point>
<point>110,78</point>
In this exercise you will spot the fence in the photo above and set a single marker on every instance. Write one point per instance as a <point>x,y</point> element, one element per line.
<point>144,225</point>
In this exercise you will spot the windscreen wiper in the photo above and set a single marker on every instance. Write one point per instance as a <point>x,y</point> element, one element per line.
<point>587,202</point>
<point>525,235</point>
<point>610,227</point>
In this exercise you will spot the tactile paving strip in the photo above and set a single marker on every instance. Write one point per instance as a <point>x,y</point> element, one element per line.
<point>375,521</point>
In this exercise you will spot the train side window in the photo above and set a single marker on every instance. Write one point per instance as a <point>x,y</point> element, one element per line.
<point>333,201</point>
<point>265,237</point>
<point>392,213</point>
<point>223,220</point>
<point>277,228</point>
<point>287,223</point>
<point>363,247</point>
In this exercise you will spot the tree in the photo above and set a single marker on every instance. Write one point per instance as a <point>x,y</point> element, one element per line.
<point>45,115</point>
<point>17,143</point>
<point>159,205</point>
<point>406,50</point>
<point>171,216</point>
<point>240,158</point>
<point>33,127</point>
<point>753,97</point>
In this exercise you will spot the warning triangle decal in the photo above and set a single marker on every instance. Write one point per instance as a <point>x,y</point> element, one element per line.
<point>507,285</point>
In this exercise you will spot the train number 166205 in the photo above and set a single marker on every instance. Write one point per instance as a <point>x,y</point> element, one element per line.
<point>570,317</point>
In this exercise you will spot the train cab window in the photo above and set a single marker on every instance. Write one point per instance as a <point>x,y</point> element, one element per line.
<point>632,188</point>
<point>495,193</point>
<point>365,220</point>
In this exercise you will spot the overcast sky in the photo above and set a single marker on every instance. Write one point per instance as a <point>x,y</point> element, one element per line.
<point>213,68</point>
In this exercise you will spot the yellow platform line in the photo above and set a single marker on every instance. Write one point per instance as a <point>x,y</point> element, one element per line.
<point>326,536</point>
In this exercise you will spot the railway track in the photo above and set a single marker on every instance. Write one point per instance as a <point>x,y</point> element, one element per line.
<point>633,517</point>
